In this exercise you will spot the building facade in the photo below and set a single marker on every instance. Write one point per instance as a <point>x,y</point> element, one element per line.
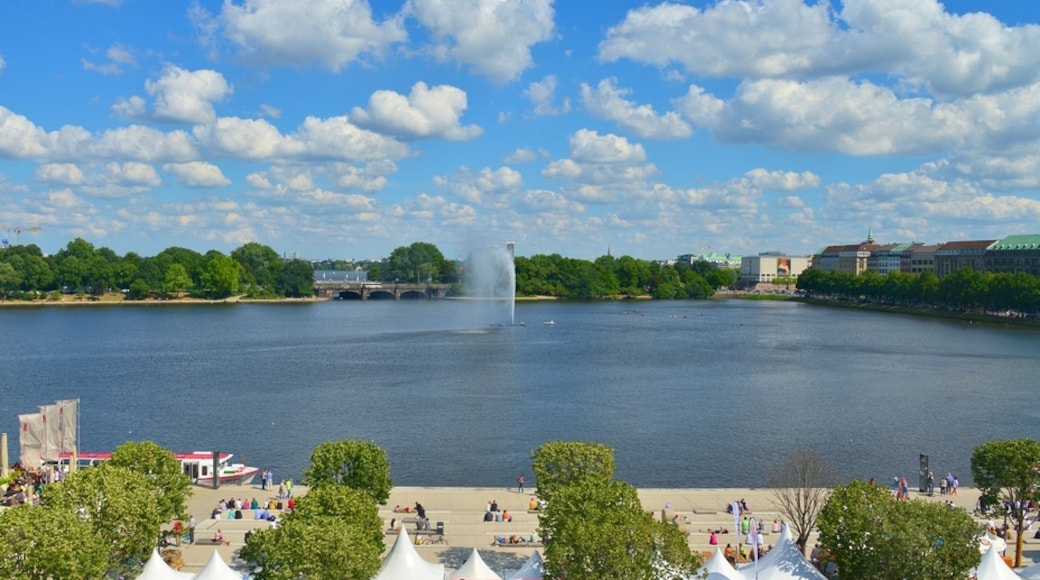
<point>767,267</point>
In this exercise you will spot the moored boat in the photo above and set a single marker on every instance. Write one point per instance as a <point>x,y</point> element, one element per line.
<point>197,465</point>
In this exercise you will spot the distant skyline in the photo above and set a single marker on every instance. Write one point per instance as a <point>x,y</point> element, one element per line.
<point>345,128</point>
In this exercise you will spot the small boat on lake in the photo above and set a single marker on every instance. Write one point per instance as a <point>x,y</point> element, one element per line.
<point>197,465</point>
<point>549,323</point>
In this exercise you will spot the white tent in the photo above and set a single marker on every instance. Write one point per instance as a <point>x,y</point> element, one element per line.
<point>989,540</point>
<point>404,563</point>
<point>533,569</point>
<point>784,562</point>
<point>993,567</point>
<point>156,569</point>
<point>217,569</point>
<point>719,568</point>
<point>474,569</point>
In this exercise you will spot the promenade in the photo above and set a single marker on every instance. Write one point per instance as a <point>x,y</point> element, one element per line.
<point>461,509</point>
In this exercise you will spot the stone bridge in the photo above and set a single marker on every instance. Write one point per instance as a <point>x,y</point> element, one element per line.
<point>352,290</point>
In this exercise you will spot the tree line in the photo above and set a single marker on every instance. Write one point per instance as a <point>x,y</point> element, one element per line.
<point>965,290</point>
<point>105,520</point>
<point>80,268</point>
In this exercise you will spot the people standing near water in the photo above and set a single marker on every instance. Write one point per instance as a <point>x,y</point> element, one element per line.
<point>191,530</point>
<point>520,484</point>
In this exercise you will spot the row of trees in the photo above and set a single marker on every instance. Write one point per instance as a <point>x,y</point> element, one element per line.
<point>79,267</point>
<point>964,289</point>
<point>99,522</point>
<point>868,533</point>
<point>607,276</point>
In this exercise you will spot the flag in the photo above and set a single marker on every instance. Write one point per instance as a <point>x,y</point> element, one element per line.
<point>30,440</point>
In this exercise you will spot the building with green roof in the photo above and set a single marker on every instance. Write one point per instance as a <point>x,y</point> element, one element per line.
<point>1014,254</point>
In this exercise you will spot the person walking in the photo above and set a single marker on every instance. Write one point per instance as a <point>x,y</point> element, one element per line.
<point>191,530</point>
<point>520,484</point>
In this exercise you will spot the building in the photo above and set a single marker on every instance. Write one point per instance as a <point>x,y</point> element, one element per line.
<point>953,256</point>
<point>1014,254</point>
<point>713,258</point>
<point>768,266</point>
<point>918,258</point>
<point>887,258</point>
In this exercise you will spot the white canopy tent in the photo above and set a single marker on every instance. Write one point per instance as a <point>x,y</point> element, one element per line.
<point>784,562</point>
<point>993,567</point>
<point>157,569</point>
<point>533,569</point>
<point>404,563</point>
<point>718,568</point>
<point>217,569</point>
<point>989,540</point>
<point>474,569</point>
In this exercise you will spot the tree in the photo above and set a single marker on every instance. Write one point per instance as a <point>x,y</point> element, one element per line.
<point>220,275</point>
<point>313,547</point>
<point>557,464</point>
<point>261,263</point>
<point>42,542</point>
<point>361,465</point>
<point>169,483</point>
<point>9,279</point>
<point>176,279</point>
<point>296,280</point>
<point>800,487</point>
<point>345,503</point>
<point>598,529</point>
<point>1006,475</point>
<point>416,263</point>
<point>121,508</point>
<point>872,535</point>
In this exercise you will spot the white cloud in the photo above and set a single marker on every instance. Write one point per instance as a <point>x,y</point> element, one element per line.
<point>781,180</point>
<point>521,155</point>
<point>475,187</point>
<point>270,111</point>
<point>334,33</point>
<point>118,57</point>
<point>3,63</point>
<point>424,113</point>
<point>916,40</point>
<point>132,174</point>
<point>21,139</point>
<point>197,174</point>
<point>183,96</point>
<point>130,108</point>
<point>60,173</point>
<point>831,114</point>
<point>591,147</point>
<point>607,102</point>
<point>542,95</point>
<point>491,36</point>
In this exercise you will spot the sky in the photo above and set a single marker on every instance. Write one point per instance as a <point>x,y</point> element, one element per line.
<point>346,128</point>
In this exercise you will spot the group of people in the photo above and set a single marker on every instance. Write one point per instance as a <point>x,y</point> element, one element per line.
<point>266,479</point>
<point>740,505</point>
<point>744,554</point>
<point>234,508</point>
<point>491,513</point>
<point>513,540</point>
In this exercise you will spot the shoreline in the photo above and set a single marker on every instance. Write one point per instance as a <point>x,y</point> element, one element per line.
<point>461,510</point>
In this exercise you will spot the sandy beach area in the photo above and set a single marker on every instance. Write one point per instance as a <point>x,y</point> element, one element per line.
<point>461,509</point>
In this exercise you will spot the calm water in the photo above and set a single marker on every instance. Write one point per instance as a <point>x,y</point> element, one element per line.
<point>689,394</point>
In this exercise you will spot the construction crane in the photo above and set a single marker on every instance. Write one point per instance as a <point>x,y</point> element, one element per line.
<point>17,230</point>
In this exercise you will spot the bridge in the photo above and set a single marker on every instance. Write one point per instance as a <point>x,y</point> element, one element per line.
<point>365,290</point>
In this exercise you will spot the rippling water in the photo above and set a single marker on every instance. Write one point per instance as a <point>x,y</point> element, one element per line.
<point>689,394</point>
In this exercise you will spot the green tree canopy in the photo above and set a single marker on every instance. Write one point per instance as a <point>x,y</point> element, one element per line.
<point>41,542</point>
<point>416,264</point>
<point>1006,474</point>
<point>120,506</point>
<point>313,547</point>
<point>220,275</point>
<point>296,280</point>
<point>346,503</point>
<point>170,485</point>
<point>598,529</point>
<point>262,265</point>
<point>358,464</point>
<point>870,534</point>
<point>557,464</point>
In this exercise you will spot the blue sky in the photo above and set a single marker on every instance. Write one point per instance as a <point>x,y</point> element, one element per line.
<point>345,128</point>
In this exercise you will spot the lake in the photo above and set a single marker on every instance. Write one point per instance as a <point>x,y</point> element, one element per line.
<point>689,394</point>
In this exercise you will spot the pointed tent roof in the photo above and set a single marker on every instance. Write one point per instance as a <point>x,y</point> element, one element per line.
<point>474,569</point>
<point>157,569</point>
<point>993,567</point>
<point>217,569</point>
<point>533,569</point>
<point>718,568</point>
<point>784,562</point>
<point>404,563</point>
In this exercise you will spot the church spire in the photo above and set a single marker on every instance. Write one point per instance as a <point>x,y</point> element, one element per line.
<point>870,237</point>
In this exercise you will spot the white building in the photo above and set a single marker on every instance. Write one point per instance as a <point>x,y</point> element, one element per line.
<point>768,266</point>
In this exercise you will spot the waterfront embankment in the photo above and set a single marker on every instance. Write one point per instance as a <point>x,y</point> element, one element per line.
<point>461,510</point>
